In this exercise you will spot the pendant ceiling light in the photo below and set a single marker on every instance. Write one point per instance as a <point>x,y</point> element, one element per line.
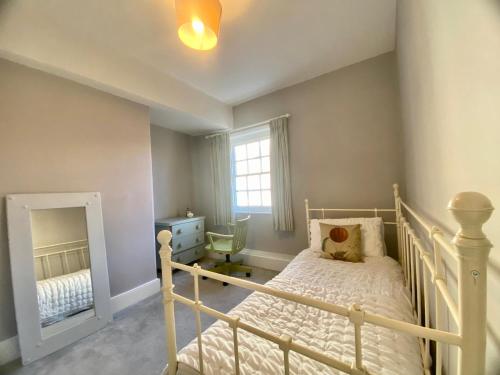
<point>198,22</point>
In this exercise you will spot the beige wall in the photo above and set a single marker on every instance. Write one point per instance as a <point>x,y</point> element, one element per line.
<point>344,135</point>
<point>172,172</point>
<point>449,54</point>
<point>59,136</point>
<point>30,35</point>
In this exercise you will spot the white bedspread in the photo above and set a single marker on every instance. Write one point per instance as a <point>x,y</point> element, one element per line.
<point>65,295</point>
<point>376,285</point>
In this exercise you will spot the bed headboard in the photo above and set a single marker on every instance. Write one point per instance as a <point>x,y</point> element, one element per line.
<point>323,213</point>
<point>61,258</point>
<point>422,256</point>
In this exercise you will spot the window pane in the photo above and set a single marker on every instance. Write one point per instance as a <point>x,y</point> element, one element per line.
<point>241,167</point>
<point>241,183</point>
<point>265,181</point>
<point>266,164</point>
<point>241,199</point>
<point>240,152</point>
<point>254,182</point>
<point>264,147</point>
<point>254,198</point>
<point>253,150</point>
<point>254,166</point>
<point>266,198</point>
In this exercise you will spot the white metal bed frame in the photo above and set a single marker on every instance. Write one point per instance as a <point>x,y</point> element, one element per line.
<point>470,248</point>
<point>61,251</point>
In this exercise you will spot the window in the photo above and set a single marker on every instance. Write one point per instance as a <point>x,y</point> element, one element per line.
<point>250,167</point>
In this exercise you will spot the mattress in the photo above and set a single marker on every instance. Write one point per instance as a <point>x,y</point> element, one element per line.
<point>376,285</point>
<point>63,296</point>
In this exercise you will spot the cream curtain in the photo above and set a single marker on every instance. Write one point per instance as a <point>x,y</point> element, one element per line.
<point>281,190</point>
<point>221,177</point>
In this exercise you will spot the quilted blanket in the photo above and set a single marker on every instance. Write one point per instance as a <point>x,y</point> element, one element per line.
<point>63,296</point>
<point>376,285</point>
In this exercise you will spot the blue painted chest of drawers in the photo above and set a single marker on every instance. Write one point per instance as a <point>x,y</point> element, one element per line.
<point>188,238</point>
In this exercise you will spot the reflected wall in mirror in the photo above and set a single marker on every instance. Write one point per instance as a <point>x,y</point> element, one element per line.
<point>62,264</point>
<point>59,269</point>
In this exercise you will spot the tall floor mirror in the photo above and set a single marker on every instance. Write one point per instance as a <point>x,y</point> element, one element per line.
<point>59,269</point>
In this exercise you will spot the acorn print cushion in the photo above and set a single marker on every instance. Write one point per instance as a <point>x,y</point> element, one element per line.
<point>341,242</point>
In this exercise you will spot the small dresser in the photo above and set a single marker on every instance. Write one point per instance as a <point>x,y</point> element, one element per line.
<point>188,238</point>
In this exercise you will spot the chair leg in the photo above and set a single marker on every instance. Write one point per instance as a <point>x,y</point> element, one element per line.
<point>220,268</point>
<point>227,268</point>
<point>243,269</point>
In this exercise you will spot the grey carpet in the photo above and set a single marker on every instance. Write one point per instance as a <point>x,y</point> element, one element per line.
<point>135,342</point>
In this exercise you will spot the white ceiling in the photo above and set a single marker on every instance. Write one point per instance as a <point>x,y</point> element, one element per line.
<point>264,45</point>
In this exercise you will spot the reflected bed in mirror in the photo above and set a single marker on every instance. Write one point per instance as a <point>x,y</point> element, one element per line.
<point>59,270</point>
<point>62,264</point>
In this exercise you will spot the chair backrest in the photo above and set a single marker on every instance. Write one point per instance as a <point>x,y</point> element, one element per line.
<point>240,234</point>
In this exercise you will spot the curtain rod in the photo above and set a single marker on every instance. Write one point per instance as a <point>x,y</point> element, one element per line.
<point>248,126</point>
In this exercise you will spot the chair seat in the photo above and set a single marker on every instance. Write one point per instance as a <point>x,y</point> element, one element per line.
<point>221,245</point>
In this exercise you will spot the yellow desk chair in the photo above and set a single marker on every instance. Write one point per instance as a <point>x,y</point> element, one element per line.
<point>229,244</point>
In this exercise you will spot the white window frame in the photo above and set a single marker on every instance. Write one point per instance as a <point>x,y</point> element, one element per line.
<point>239,138</point>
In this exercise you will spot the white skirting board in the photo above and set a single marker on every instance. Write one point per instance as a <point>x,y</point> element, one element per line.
<point>269,260</point>
<point>9,348</point>
<point>132,296</point>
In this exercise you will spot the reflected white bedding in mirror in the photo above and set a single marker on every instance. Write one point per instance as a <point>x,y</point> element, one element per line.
<point>62,264</point>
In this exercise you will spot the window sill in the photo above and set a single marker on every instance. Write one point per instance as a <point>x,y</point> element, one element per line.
<point>251,211</point>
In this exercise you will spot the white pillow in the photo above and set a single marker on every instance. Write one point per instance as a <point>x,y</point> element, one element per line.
<point>372,233</point>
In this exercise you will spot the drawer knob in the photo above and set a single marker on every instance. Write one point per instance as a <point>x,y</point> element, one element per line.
<point>179,245</point>
<point>197,227</point>
<point>179,231</point>
<point>197,239</point>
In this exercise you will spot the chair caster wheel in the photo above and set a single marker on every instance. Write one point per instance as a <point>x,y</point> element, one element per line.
<point>248,274</point>
<point>204,277</point>
<point>224,283</point>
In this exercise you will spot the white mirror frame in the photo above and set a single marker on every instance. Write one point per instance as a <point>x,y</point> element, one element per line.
<point>32,342</point>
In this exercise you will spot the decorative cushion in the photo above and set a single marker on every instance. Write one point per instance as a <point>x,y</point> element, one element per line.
<point>372,233</point>
<point>341,242</point>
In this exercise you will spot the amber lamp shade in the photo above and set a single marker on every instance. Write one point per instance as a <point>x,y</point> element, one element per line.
<point>198,23</point>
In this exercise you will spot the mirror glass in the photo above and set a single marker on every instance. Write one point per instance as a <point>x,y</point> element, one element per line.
<point>62,267</point>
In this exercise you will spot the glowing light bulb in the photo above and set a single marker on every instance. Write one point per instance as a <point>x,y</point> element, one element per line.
<point>198,26</point>
<point>198,23</point>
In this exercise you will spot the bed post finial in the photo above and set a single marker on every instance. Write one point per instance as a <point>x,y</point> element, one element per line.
<point>471,210</point>
<point>164,238</point>
<point>395,187</point>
